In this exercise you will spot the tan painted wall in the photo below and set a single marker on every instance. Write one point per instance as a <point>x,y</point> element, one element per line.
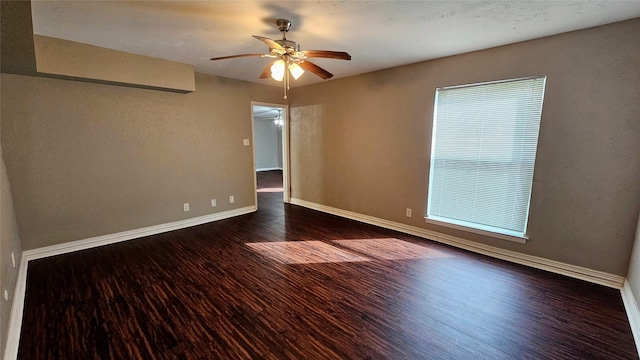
<point>74,59</point>
<point>362,144</point>
<point>87,159</point>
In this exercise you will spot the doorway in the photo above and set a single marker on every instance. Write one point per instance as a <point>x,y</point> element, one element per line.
<point>270,124</point>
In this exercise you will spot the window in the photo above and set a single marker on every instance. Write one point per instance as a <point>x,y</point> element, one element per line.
<point>483,153</point>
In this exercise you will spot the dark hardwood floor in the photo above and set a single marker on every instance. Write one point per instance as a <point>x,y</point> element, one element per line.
<point>291,283</point>
<point>270,181</point>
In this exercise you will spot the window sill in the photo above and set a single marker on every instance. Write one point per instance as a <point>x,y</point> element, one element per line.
<point>495,235</point>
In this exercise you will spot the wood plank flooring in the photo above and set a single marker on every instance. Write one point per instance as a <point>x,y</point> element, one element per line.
<point>290,283</point>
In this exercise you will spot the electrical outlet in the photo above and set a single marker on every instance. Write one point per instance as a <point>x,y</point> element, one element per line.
<point>13,260</point>
<point>408,212</point>
<point>245,142</point>
<point>213,203</point>
<point>186,206</point>
<point>232,199</point>
<point>6,295</point>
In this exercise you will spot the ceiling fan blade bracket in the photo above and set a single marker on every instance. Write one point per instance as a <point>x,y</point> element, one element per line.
<point>271,43</point>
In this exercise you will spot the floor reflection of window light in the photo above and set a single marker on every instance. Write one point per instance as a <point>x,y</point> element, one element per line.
<point>390,249</point>
<point>305,252</point>
<point>270,190</point>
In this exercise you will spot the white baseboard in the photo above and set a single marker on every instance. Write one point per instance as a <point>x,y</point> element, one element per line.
<point>633,313</point>
<point>15,318</point>
<point>269,169</point>
<point>578,272</point>
<point>77,245</point>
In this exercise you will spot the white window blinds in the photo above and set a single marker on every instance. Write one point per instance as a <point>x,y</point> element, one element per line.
<point>483,153</point>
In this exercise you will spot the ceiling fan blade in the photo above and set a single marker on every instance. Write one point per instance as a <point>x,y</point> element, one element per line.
<point>340,55</point>
<point>236,56</point>
<point>266,73</point>
<point>272,44</point>
<point>311,67</point>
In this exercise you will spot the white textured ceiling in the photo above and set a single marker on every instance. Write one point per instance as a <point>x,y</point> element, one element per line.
<point>378,34</point>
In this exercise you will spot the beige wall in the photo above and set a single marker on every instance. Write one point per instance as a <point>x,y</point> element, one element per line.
<point>362,143</point>
<point>9,242</point>
<point>93,63</point>
<point>88,159</point>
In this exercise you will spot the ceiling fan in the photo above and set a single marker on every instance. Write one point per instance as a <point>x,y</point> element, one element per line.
<point>288,56</point>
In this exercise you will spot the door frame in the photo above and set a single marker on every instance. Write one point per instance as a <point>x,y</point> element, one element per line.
<point>286,163</point>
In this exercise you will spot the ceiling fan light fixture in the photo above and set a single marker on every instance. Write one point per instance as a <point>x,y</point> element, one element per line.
<point>296,70</point>
<point>277,70</point>
<point>278,120</point>
<point>289,60</point>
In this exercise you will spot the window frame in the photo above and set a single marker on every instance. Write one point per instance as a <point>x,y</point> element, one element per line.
<point>481,229</point>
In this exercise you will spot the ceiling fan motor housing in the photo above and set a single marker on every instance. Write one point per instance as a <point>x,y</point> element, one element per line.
<point>288,45</point>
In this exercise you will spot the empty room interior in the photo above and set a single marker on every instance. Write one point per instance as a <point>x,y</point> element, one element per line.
<point>434,180</point>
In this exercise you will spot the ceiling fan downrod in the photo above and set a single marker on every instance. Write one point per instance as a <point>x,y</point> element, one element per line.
<point>283,25</point>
